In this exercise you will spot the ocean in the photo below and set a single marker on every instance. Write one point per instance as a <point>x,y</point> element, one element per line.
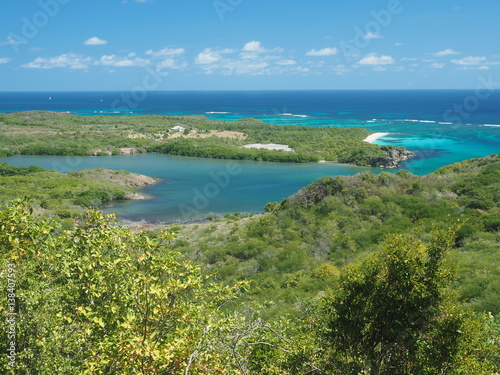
<point>440,126</point>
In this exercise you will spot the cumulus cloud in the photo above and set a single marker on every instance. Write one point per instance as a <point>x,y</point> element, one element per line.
<point>253,46</point>
<point>446,52</point>
<point>253,49</point>
<point>373,36</point>
<point>76,61</point>
<point>253,59</point>
<point>373,59</point>
<point>323,52</point>
<point>437,66</point>
<point>483,67</point>
<point>10,41</point>
<point>170,63</point>
<point>67,60</point>
<point>208,56</point>
<point>95,41</point>
<point>117,61</point>
<point>245,67</point>
<point>286,62</point>
<point>470,60</point>
<point>4,60</point>
<point>341,69</point>
<point>166,52</point>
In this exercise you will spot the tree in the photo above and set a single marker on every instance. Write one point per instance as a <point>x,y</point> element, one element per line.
<point>100,300</point>
<point>394,314</point>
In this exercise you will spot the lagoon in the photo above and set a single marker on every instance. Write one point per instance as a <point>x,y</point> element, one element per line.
<point>192,188</point>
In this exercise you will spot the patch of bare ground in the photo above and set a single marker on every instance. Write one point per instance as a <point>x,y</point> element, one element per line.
<point>211,133</point>
<point>115,177</point>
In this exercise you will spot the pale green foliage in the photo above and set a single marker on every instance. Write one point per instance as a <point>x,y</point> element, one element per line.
<point>101,299</point>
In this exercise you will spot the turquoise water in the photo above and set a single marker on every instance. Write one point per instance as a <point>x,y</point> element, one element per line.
<point>435,124</point>
<point>191,188</point>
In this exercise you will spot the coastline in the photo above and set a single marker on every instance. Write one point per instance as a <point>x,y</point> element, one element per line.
<point>140,196</point>
<point>373,137</point>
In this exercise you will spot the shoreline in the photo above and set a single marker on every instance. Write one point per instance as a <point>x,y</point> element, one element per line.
<point>140,197</point>
<point>373,137</point>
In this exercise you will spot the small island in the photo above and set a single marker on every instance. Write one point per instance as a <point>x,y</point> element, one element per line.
<point>55,133</point>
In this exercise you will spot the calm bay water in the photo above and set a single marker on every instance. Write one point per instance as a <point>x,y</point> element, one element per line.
<point>440,126</point>
<point>192,187</point>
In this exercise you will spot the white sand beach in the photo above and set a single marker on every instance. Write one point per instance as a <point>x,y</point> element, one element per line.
<point>373,137</point>
<point>270,146</point>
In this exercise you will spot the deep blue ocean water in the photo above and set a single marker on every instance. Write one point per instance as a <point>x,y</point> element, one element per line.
<point>440,126</point>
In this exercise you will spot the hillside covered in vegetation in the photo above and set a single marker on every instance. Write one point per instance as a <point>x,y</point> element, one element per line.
<point>367,274</point>
<point>54,133</point>
<point>298,248</point>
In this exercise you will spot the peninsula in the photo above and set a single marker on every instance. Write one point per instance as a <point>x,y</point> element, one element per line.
<point>55,133</point>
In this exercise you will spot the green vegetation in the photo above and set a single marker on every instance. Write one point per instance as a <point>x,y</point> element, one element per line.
<point>30,133</point>
<point>297,249</point>
<point>207,149</point>
<point>67,195</point>
<point>368,274</point>
<point>414,324</point>
<point>102,300</point>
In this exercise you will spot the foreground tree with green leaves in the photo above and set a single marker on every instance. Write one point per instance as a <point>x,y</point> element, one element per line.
<point>102,300</point>
<point>394,313</point>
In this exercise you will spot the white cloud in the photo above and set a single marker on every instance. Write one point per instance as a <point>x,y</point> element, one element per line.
<point>95,41</point>
<point>373,36</point>
<point>286,62</point>
<point>253,59</point>
<point>10,41</point>
<point>483,67</point>
<point>249,55</point>
<point>4,60</point>
<point>253,46</point>
<point>170,63</point>
<point>253,49</point>
<point>166,52</point>
<point>373,59</point>
<point>167,63</point>
<point>437,66</point>
<point>301,69</point>
<point>208,56</point>
<point>398,44</point>
<point>67,60</point>
<point>341,69</point>
<point>113,60</point>
<point>470,60</point>
<point>323,52</point>
<point>245,67</point>
<point>446,52</point>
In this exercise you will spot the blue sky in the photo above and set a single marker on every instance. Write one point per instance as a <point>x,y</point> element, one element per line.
<point>247,44</point>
